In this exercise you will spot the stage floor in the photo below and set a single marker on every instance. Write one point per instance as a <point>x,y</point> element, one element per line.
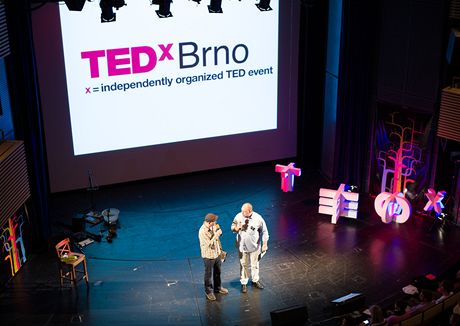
<point>152,273</point>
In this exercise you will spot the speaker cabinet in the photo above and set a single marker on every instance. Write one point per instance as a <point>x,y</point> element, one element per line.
<point>295,315</point>
<point>348,303</point>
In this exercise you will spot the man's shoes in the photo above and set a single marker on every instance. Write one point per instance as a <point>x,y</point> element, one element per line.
<point>222,290</point>
<point>244,288</point>
<point>210,296</point>
<point>258,285</point>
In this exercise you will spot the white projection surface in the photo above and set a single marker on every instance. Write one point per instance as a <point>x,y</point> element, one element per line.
<point>146,97</point>
<point>144,81</point>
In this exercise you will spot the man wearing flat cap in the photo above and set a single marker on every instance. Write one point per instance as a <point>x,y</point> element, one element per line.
<point>210,252</point>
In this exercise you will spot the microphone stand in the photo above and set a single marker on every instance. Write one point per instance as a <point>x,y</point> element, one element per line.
<point>91,190</point>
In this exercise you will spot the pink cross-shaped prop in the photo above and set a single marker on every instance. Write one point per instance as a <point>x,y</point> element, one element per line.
<point>434,201</point>
<point>287,175</point>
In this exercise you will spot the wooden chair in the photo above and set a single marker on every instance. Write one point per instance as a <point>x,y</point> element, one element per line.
<point>450,302</point>
<point>432,313</point>
<point>72,265</point>
<point>413,320</point>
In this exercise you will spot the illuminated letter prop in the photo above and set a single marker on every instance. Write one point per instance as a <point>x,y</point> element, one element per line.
<point>392,207</point>
<point>287,175</point>
<point>434,201</point>
<point>338,203</point>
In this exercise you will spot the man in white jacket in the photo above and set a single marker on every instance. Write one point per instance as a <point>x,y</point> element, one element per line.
<point>252,240</point>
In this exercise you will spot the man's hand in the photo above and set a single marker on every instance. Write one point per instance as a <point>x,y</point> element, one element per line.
<point>264,247</point>
<point>236,227</point>
<point>218,233</point>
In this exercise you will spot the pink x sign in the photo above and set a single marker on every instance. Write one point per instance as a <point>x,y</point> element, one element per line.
<point>434,201</point>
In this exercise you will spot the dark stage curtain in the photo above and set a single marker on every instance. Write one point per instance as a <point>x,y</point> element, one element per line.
<point>25,98</point>
<point>312,61</point>
<point>356,95</point>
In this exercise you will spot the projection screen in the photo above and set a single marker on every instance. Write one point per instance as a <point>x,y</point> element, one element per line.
<point>143,96</point>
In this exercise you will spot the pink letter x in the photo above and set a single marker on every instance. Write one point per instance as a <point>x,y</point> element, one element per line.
<point>434,201</point>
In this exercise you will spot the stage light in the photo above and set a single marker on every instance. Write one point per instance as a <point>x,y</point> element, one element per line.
<point>107,14</point>
<point>164,10</point>
<point>72,5</point>
<point>75,5</point>
<point>264,5</point>
<point>215,7</point>
<point>351,188</point>
<point>441,216</point>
